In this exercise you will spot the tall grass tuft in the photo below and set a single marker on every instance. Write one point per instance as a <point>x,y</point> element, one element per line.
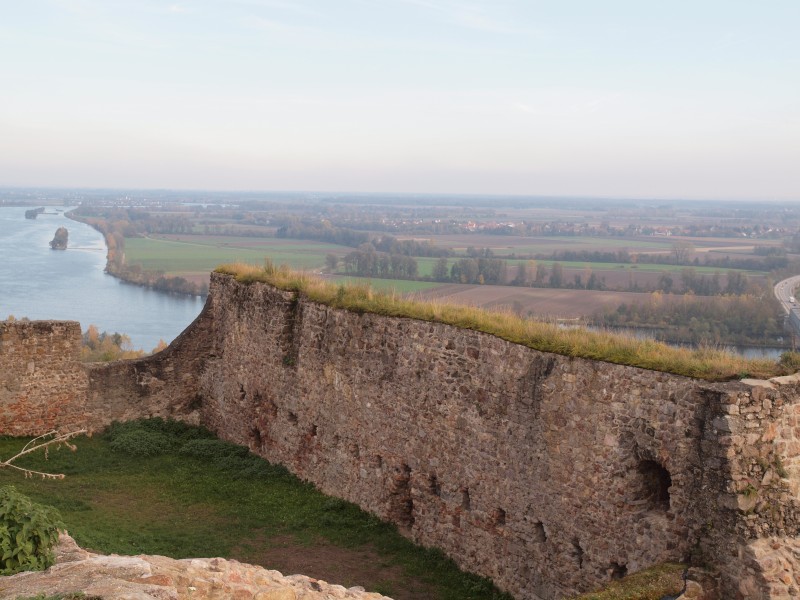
<point>708,363</point>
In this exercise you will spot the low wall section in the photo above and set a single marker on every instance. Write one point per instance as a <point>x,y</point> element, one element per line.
<point>44,386</point>
<point>42,382</point>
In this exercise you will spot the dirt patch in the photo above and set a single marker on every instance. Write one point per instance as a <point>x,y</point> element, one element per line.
<point>349,567</point>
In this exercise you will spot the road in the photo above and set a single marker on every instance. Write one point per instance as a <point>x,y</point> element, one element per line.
<point>784,290</point>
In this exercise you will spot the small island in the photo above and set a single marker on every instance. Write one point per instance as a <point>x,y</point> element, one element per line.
<point>59,241</point>
<point>34,212</point>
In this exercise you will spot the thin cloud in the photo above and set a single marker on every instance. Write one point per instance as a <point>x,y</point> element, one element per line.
<point>282,5</point>
<point>472,16</point>
<point>278,27</point>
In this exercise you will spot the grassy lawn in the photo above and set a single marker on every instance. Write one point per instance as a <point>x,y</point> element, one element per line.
<point>194,496</point>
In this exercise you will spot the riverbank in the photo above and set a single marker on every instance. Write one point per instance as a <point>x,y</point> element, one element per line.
<point>117,267</point>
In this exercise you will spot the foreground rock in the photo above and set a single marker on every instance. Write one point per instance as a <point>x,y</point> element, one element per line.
<point>161,578</point>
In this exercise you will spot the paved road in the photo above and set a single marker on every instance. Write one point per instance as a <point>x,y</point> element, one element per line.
<point>784,291</point>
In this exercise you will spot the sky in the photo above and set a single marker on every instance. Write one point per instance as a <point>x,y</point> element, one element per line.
<point>619,98</point>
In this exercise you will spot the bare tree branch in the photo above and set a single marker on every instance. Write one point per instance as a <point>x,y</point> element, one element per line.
<point>42,443</point>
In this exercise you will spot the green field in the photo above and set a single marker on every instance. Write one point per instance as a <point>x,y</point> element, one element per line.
<point>641,268</point>
<point>201,254</point>
<point>425,267</point>
<point>504,245</point>
<point>164,488</point>
<point>550,244</point>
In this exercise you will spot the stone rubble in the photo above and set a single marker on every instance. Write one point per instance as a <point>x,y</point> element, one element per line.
<point>160,578</point>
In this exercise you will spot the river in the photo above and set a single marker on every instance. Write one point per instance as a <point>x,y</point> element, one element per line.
<point>40,283</point>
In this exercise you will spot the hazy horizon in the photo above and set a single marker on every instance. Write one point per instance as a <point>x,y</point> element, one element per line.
<point>510,98</point>
<point>268,194</point>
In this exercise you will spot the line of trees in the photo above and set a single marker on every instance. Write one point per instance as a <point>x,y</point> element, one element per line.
<point>173,284</point>
<point>769,258</point>
<point>103,346</point>
<point>322,231</point>
<point>390,244</point>
<point>366,261</point>
<point>706,285</point>
<point>748,319</point>
<point>474,270</point>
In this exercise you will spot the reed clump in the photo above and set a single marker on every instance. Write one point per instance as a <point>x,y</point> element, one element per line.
<point>713,364</point>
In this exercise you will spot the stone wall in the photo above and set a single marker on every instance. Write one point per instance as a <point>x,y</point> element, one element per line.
<point>163,385</point>
<point>757,441</point>
<point>547,473</point>
<point>42,384</point>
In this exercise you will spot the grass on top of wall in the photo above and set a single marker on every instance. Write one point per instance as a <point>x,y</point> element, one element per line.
<point>712,364</point>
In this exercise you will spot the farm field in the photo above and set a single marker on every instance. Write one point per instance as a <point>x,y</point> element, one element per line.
<point>615,275</point>
<point>401,286</point>
<point>195,256</point>
<point>192,246</point>
<point>192,255</point>
<point>199,254</point>
<point>639,267</point>
<point>507,244</point>
<point>534,302</point>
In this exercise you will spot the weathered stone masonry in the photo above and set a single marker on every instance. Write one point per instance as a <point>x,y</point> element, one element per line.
<point>546,473</point>
<point>42,382</point>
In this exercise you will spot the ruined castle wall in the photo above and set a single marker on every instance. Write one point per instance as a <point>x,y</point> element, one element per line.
<point>163,385</point>
<point>546,473</point>
<point>42,384</point>
<point>757,438</point>
<point>45,386</point>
